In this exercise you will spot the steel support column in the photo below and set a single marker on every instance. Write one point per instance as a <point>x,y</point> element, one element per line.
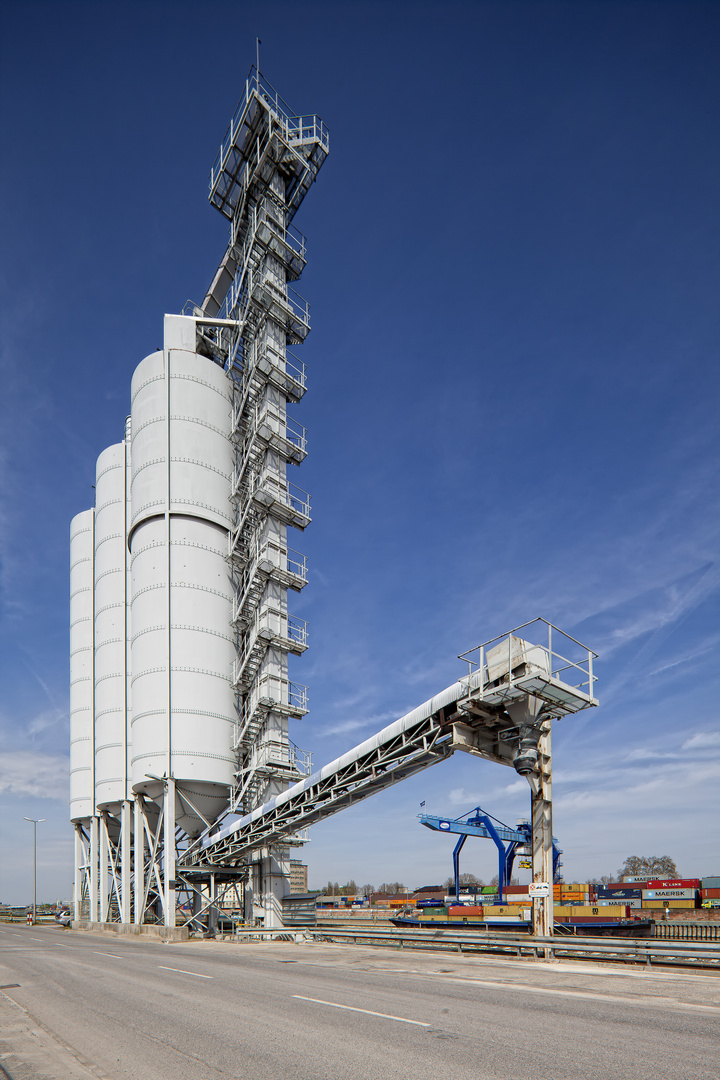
<point>79,865</point>
<point>93,868</point>
<point>139,862</point>
<point>104,895</point>
<point>542,842</point>
<point>169,852</point>
<point>125,862</point>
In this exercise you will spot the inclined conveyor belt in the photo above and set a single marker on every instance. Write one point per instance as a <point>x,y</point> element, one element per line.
<point>407,746</point>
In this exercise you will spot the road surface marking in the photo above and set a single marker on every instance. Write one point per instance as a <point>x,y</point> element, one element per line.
<point>182,972</point>
<point>59,946</point>
<point>35,938</point>
<point>610,999</point>
<point>368,1012</point>
<point>107,954</point>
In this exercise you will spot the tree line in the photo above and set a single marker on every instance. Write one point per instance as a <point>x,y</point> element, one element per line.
<point>639,866</point>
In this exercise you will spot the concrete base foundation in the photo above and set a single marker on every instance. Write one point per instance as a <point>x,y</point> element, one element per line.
<point>164,933</point>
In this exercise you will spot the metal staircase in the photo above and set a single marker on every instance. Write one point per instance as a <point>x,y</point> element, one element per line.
<point>266,164</point>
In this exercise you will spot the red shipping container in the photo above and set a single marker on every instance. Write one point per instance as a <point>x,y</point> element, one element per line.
<point>678,883</point>
<point>710,894</point>
<point>458,909</point>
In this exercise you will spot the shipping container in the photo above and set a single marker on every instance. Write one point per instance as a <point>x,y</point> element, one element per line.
<point>579,896</point>
<point>609,894</point>
<point>467,909</point>
<point>677,883</point>
<point>710,894</point>
<point>669,894</point>
<point>564,912</point>
<point>633,903</point>
<point>710,883</point>
<point>660,905</point>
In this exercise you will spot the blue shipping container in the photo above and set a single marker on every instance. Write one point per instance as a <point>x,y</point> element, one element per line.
<point>617,894</point>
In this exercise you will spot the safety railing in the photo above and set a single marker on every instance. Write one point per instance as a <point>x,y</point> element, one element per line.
<point>641,950</point>
<point>501,659</point>
<point>285,755</point>
<point>268,554</point>
<point>267,490</point>
<point>296,128</point>
<point>272,690</point>
<point>272,425</point>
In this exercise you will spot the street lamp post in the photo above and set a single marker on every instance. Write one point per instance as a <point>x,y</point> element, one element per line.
<point>35,823</point>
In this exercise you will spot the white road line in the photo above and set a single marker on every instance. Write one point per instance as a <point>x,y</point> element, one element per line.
<point>107,954</point>
<point>59,946</point>
<point>368,1012</point>
<point>182,972</point>
<point>35,938</point>
<point>610,999</point>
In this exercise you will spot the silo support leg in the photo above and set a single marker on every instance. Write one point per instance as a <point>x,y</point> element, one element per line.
<point>139,861</point>
<point>169,852</point>
<point>542,844</point>
<point>79,863</point>
<point>104,871</point>
<point>93,868</point>
<point>125,862</point>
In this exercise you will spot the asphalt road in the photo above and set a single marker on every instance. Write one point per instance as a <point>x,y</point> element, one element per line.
<point>96,1006</point>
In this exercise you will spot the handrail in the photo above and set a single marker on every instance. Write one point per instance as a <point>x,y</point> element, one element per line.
<point>295,126</point>
<point>700,954</point>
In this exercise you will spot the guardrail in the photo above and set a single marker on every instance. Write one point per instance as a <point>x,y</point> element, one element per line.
<point>667,931</point>
<point>646,951</point>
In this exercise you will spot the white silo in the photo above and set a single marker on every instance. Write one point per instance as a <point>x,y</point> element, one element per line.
<point>183,710</point>
<point>81,666</point>
<point>112,786</point>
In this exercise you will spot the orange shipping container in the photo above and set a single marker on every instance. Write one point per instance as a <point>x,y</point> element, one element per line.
<point>467,910</point>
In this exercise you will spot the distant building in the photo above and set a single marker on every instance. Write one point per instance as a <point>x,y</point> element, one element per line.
<point>298,876</point>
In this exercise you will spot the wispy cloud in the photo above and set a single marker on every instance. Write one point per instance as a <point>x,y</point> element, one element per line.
<point>344,727</point>
<point>44,776</point>
<point>703,740</point>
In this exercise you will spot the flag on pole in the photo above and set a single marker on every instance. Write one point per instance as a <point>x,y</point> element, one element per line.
<point>422,803</point>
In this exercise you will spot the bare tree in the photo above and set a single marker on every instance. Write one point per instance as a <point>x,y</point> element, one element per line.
<point>465,879</point>
<point>367,890</point>
<point>392,887</point>
<point>349,889</point>
<point>652,866</point>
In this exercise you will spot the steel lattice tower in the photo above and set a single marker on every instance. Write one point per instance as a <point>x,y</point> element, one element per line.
<point>266,164</point>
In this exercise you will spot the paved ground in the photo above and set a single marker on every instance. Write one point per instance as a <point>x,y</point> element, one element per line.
<point>97,1005</point>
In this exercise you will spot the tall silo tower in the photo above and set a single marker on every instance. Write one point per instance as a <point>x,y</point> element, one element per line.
<point>188,562</point>
<point>113,797</point>
<point>82,697</point>
<point>266,164</point>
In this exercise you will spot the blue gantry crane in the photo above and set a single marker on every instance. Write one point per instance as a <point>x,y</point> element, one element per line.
<point>479,823</point>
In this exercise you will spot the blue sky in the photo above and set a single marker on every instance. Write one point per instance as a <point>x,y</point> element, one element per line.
<point>513,279</point>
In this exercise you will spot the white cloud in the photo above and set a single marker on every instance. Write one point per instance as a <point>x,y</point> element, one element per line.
<point>343,727</point>
<point>44,776</point>
<point>703,739</point>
